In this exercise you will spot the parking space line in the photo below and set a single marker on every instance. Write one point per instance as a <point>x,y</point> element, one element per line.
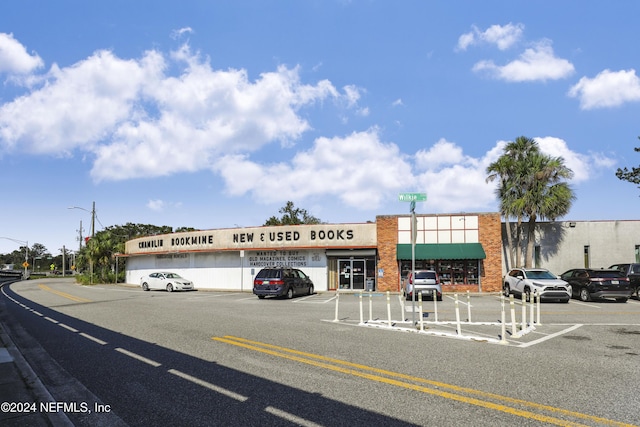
<point>586,305</point>
<point>550,336</point>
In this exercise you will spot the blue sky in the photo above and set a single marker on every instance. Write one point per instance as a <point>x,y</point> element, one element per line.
<point>213,114</point>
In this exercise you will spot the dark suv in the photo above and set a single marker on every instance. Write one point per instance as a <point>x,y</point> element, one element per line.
<point>281,281</point>
<point>632,271</point>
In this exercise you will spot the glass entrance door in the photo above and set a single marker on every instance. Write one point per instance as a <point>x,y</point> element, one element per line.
<point>352,273</point>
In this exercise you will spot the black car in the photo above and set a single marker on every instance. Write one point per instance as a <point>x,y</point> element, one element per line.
<point>588,283</point>
<point>632,271</point>
<point>281,281</point>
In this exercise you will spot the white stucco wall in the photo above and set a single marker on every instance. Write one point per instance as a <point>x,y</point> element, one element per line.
<point>562,244</point>
<point>228,270</point>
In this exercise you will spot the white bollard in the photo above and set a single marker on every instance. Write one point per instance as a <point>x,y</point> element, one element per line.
<point>337,302</point>
<point>514,327</point>
<point>370,306</point>
<point>468,307</point>
<point>532,308</point>
<point>389,307</point>
<point>402,310</point>
<point>361,313</point>
<point>538,307</point>
<point>420,311</point>
<point>435,306</point>
<point>458,326</point>
<point>523,321</point>
<point>503,340</point>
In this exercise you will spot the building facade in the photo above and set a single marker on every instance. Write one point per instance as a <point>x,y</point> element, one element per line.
<point>465,249</point>
<point>563,245</point>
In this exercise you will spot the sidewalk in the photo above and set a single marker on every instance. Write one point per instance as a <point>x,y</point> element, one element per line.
<point>21,391</point>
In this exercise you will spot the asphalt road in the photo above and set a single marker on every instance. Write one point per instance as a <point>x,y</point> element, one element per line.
<point>119,356</point>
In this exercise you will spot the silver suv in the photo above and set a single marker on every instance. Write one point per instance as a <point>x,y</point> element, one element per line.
<point>426,281</point>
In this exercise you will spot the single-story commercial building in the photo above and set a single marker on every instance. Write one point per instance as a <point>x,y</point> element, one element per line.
<point>465,249</point>
<point>468,250</point>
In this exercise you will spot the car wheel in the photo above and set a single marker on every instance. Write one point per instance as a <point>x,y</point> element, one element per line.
<point>584,295</point>
<point>311,290</point>
<point>506,290</point>
<point>169,287</point>
<point>261,296</point>
<point>290,293</point>
<point>621,299</point>
<point>145,286</point>
<point>527,295</point>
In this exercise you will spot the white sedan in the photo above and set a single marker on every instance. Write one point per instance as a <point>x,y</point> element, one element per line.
<point>166,280</point>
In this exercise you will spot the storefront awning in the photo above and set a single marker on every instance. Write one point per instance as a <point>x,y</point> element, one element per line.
<point>442,251</point>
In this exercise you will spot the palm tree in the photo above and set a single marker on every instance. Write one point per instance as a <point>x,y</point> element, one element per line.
<point>547,196</point>
<point>531,187</point>
<point>512,169</point>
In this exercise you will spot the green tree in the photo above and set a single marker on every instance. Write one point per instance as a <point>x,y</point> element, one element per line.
<point>511,170</point>
<point>633,175</point>
<point>531,187</point>
<point>292,216</point>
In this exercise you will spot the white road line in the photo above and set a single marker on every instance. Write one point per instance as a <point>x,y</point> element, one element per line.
<point>138,357</point>
<point>548,337</point>
<point>92,338</point>
<point>37,312</point>
<point>68,327</point>
<point>290,417</point>
<point>208,385</point>
<point>586,305</point>
<point>51,320</point>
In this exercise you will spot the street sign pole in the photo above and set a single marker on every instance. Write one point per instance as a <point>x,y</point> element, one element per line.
<point>413,198</point>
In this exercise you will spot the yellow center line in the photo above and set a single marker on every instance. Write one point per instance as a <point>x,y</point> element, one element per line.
<point>64,294</point>
<point>294,355</point>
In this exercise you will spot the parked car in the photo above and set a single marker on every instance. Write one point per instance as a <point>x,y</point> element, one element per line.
<point>587,284</point>
<point>166,280</point>
<point>632,271</point>
<point>426,281</point>
<point>526,281</point>
<point>281,281</point>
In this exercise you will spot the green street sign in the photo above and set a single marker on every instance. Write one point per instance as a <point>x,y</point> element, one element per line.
<point>412,197</point>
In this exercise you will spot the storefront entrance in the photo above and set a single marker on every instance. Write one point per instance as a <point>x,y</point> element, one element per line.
<point>352,273</point>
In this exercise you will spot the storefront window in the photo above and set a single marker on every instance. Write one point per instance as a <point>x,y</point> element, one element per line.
<point>451,272</point>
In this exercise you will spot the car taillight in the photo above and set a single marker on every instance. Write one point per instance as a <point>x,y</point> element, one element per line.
<point>276,282</point>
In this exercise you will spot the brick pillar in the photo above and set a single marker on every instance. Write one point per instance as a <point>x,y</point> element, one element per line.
<point>387,235</point>
<point>490,236</point>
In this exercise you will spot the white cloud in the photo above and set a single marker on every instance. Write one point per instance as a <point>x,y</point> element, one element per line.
<point>156,205</point>
<point>503,36</point>
<point>137,121</point>
<point>397,103</point>
<point>584,166</point>
<point>536,63</point>
<point>442,153</point>
<point>607,89</point>
<point>14,57</point>
<point>359,169</point>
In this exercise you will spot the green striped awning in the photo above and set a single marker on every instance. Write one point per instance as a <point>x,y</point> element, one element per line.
<point>442,251</point>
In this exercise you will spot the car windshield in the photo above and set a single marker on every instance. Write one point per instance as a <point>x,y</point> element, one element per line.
<point>425,275</point>
<point>539,274</point>
<point>172,276</point>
